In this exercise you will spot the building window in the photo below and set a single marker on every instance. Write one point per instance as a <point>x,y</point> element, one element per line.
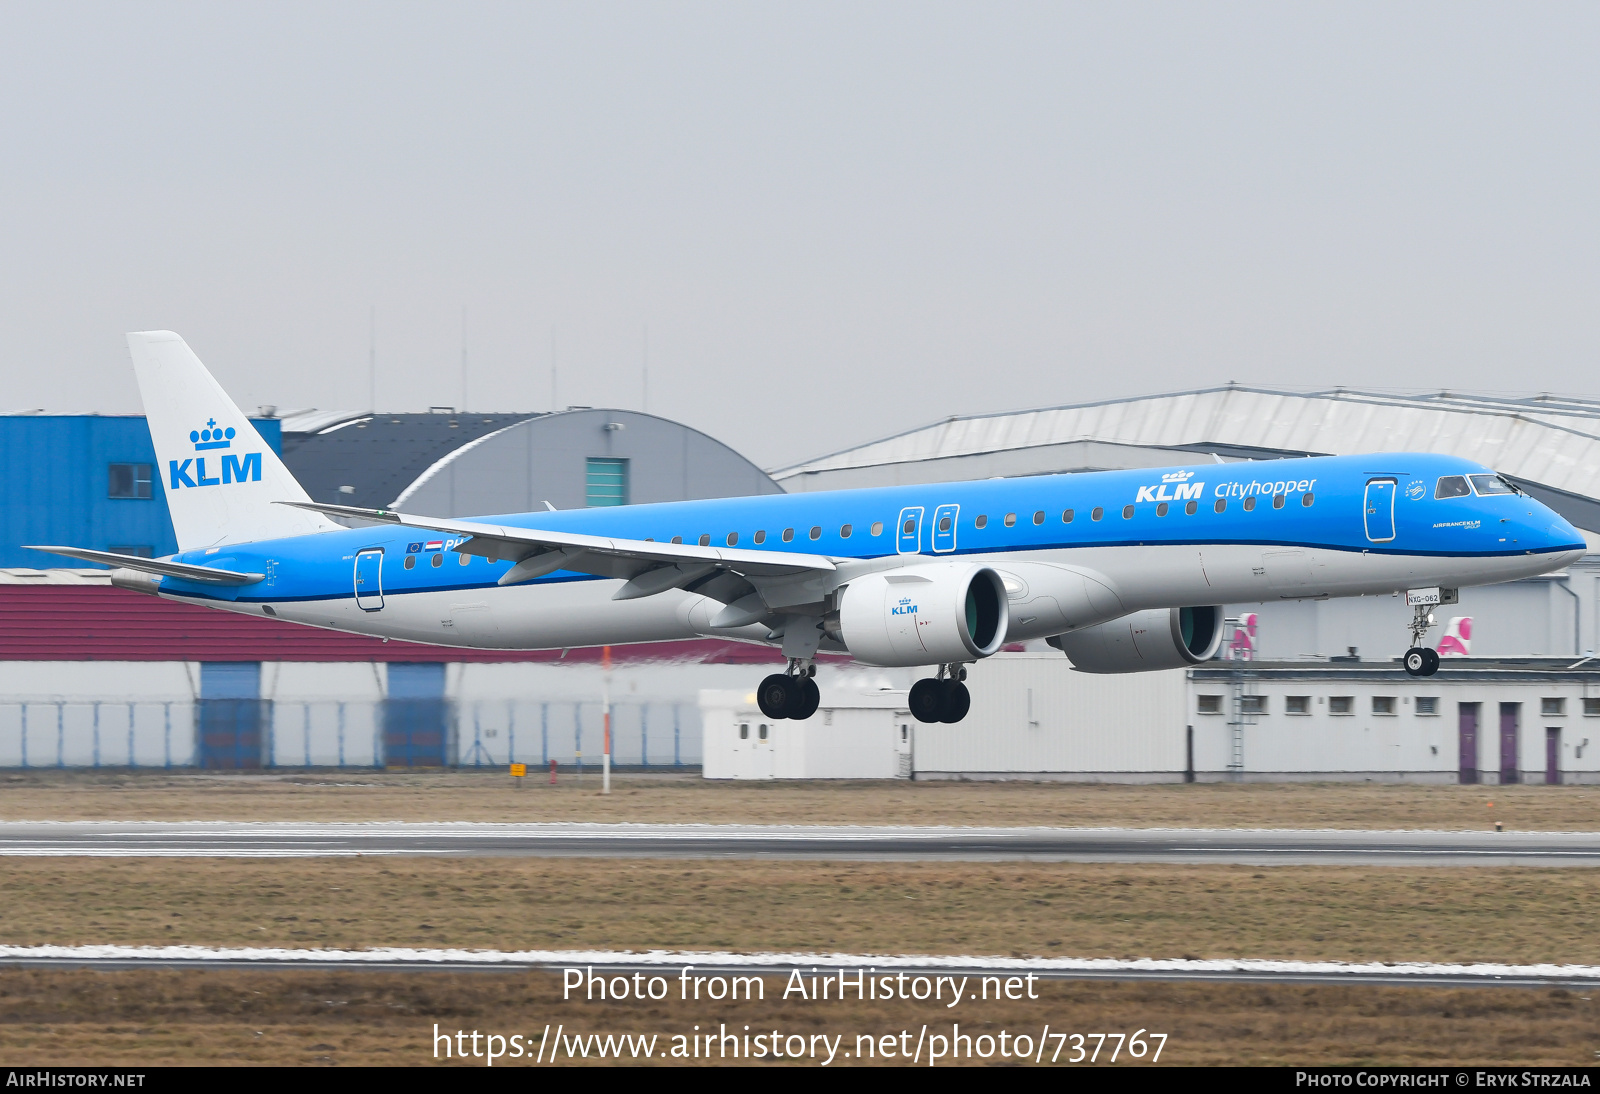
<point>762,731</point>
<point>1209,704</point>
<point>606,482</point>
<point>1591,708</point>
<point>1252,704</point>
<point>1341,704</point>
<point>128,480</point>
<point>1297,704</point>
<point>1552,708</point>
<point>744,731</point>
<point>1383,704</point>
<point>1428,704</point>
<point>136,550</point>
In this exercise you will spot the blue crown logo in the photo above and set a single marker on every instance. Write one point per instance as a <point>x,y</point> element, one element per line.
<point>211,437</point>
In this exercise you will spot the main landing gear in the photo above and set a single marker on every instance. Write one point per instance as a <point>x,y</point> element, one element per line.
<point>790,694</point>
<point>1419,659</point>
<point>943,698</point>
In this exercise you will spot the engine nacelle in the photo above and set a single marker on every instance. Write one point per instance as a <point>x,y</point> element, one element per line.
<point>924,615</point>
<point>1161,638</point>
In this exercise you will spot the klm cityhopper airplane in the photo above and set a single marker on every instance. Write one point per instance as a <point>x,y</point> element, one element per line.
<point>1122,571</point>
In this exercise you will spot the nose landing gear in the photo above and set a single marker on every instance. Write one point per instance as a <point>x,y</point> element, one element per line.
<point>790,694</point>
<point>943,698</point>
<point>1419,660</point>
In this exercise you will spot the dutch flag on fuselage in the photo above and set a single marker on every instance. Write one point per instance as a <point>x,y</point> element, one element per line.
<point>435,545</point>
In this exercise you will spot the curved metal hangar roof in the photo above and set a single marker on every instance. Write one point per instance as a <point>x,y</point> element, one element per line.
<point>1549,445</point>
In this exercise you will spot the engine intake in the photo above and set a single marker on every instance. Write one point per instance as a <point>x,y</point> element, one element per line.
<point>1161,638</point>
<point>924,615</point>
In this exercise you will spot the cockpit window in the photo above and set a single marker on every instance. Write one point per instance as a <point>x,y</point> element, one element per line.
<point>1452,486</point>
<point>1491,484</point>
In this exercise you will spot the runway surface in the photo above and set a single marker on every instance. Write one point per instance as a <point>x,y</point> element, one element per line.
<point>672,965</point>
<point>1256,847</point>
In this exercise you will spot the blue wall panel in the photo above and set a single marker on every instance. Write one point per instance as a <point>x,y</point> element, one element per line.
<point>54,478</point>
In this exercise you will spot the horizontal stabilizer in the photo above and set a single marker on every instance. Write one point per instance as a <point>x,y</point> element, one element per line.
<point>207,574</point>
<point>588,554</point>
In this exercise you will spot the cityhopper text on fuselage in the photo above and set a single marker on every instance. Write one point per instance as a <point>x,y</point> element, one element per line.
<point>1123,571</point>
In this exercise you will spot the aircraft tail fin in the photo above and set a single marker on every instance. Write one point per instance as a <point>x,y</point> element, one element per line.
<point>219,475</point>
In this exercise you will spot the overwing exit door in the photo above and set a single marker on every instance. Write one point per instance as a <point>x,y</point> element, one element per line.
<point>1379,510</point>
<point>944,528</point>
<point>369,580</point>
<point>908,533</point>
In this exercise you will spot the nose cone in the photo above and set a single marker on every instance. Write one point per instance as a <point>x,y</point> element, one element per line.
<point>1564,542</point>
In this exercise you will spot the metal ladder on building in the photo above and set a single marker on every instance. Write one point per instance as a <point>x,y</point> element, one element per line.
<point>1240,714</point>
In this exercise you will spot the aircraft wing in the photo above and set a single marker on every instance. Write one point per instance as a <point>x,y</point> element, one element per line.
<point>539,551</point>
<point>207,574</point>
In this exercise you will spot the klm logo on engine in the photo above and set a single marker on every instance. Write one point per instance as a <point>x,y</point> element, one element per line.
<point>1174,486</point>
<point>229,468</point>
<point>905,607</point>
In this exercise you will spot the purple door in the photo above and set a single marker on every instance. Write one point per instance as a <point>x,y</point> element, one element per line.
<point>1552,756</point>
<point>1508,741</point>
<point>1468,723</point>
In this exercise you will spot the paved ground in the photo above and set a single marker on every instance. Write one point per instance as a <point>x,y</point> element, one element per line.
<point>1195,846</point>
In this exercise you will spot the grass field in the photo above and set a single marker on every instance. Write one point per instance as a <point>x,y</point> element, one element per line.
<point>1023,909</point>
<point>490,796</point>
<point>150,1017</point>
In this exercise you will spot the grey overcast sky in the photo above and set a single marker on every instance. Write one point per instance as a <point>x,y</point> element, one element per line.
<point>835,221</point>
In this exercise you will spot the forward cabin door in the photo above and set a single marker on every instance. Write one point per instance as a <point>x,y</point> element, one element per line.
<point>1380,510</point>
<point>369,580</point>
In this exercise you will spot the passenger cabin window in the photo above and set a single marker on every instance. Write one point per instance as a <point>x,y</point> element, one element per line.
<point>1491,484</point>
<point>1127,512</point>
<point>1277,501</point>
<point>1011,520</point>
<point>1096,513</point>
<point>1249,504</point>
<point>677,539</point>
<point>1222,505</point>
<point>981,522</point>
<point>1161,509</point>
<point>816,532</point>
<point>760,537</point>
<point>705,539</point>
<point>464,559</point>
<point>411,560</point>
<point>438,560</point>
<point>1306,500</point>
<point>733,539</point>
<point>1191,508</point>
<point>877,527</point>
<point>1452,486</point>
<point>844,533</point>
<point>1038,518</point>
<point>788,535</point>
<point>1066,516</point>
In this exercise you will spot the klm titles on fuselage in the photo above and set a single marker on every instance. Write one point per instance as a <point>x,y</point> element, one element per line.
<point>245,468</point>
<point>1176,486</point>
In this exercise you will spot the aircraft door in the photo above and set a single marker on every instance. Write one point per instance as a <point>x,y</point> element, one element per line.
<point>908,533</point>
<point>945,519</point>
<point>1379,510</point>
<point>369,580</point>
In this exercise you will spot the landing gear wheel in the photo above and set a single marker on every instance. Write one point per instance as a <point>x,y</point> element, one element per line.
<point>1432,659</point>
<point>957,701</point>
<point>776,695</point>
<point>926,700</point>
<point>803,703</point>
<point>1416,661</point>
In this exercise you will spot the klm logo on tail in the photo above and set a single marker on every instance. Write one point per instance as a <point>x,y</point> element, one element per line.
<point>246,468</point>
